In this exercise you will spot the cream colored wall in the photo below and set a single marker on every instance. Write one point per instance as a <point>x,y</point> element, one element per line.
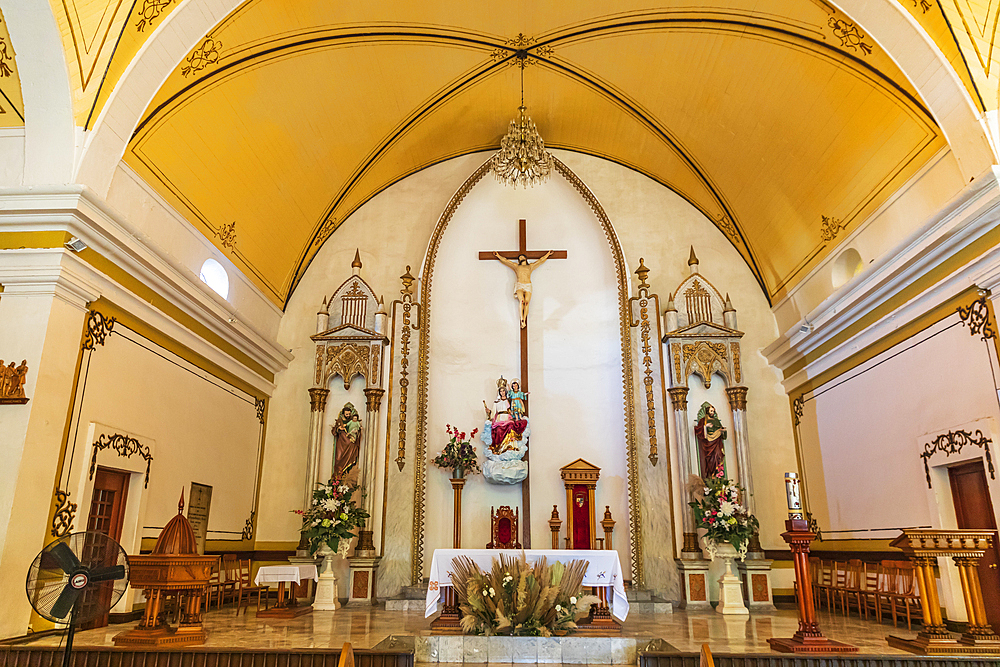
<point>45,330</point>
<point>204,431</point>
<point>188,249</point>
<point>862,434</point>
<point>393,230</point>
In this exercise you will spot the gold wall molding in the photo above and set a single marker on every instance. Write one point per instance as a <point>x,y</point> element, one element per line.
<point>98,328</point>
<point>346,360</point>
<point>737,398</point>
<point>65,511</point>
<point>625,320</point>
<point>737,369</point>
<point>317,399</point>
<point>125,446</point>
<point>978,317</point>
<point>678,398</point>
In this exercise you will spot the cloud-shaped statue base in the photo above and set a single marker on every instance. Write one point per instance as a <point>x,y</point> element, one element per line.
<point>507,466</point>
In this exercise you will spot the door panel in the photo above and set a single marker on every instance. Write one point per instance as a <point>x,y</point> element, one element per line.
<point>974,510</point>
<point>107,513</point>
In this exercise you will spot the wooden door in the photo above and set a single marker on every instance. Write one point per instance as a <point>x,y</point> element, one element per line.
<point>581,517</point>
<point>974,510</point>
<point>107,513</point>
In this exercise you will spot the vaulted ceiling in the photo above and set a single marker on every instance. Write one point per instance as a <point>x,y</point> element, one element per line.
<point>782,121</point>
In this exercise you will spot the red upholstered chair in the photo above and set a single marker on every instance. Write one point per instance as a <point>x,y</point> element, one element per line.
<point>503,528</point>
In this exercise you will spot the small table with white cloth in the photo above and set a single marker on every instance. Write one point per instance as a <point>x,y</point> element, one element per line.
<point>282,574</point>
<point>604,571</point>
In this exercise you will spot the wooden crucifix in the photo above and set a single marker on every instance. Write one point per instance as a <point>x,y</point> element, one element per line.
<point>519,261</point>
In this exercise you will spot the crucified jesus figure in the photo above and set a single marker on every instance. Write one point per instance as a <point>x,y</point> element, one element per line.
<point>522,287</point>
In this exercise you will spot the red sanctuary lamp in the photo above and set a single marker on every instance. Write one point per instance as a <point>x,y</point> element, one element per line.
<point>809,638</point>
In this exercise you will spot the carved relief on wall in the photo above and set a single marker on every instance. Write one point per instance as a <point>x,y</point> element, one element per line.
<point>12,383</point>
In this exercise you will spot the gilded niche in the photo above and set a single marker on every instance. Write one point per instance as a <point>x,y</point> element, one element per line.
<point>704,358</point>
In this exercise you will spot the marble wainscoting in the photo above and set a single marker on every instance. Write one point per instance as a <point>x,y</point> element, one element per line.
<point>564,650</point>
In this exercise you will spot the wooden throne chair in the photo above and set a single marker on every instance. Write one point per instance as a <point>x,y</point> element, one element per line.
<point>503,528</point>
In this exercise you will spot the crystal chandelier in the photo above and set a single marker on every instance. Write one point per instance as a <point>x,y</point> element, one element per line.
<point>522,158</point>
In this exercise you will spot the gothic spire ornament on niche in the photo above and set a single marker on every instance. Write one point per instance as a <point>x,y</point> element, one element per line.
<point>522,158</point>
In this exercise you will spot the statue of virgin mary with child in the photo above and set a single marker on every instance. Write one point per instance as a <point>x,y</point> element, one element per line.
<point>505,434</point>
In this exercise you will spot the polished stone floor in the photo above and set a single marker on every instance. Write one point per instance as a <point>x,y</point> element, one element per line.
<point>366,627</point>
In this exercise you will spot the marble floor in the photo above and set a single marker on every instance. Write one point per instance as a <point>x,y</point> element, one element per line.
<point>364,628</point>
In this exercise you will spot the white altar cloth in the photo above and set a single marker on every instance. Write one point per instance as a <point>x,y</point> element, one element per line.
<point>605,569</point>
<point>278,573</point>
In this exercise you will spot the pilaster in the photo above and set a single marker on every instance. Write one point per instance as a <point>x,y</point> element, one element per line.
<point>43,309</point>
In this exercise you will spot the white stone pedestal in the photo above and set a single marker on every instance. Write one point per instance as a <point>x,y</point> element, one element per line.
<point>730,585</point>
<point>756,574</point>
<point>362,588</point>
<point>326,589</point>
<point>694,579</point>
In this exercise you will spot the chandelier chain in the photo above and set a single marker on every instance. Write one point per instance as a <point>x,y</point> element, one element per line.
<point>522,158</point>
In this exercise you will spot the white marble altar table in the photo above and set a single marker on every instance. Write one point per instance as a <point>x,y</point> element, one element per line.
<point>604,569</point>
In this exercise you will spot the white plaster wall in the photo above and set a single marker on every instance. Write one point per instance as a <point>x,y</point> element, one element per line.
<point>861,435</point>
<point>574,356</point>
<point>12,150</point>
<point>392,231</point>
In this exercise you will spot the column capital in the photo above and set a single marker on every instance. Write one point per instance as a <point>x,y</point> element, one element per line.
<point>374,396</point>
<point>678,397</point>
<point>737,398</point>
<point>317,399</point>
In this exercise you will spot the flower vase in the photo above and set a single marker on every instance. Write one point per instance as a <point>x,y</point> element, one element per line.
<point>459,473</point>
<point>730,585</point>
<point>326,589</point>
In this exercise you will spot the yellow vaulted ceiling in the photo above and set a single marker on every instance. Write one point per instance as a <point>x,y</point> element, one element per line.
<point>786,127</point>
<point>11,103</point>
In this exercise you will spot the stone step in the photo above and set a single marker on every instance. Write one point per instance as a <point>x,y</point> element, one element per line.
<point>414,592</point>
<point>637,594</point>
<point>655,605</point>
<point>403,604</point>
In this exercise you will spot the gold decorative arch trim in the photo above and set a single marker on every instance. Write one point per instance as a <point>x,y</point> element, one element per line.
<point>426,283</point>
